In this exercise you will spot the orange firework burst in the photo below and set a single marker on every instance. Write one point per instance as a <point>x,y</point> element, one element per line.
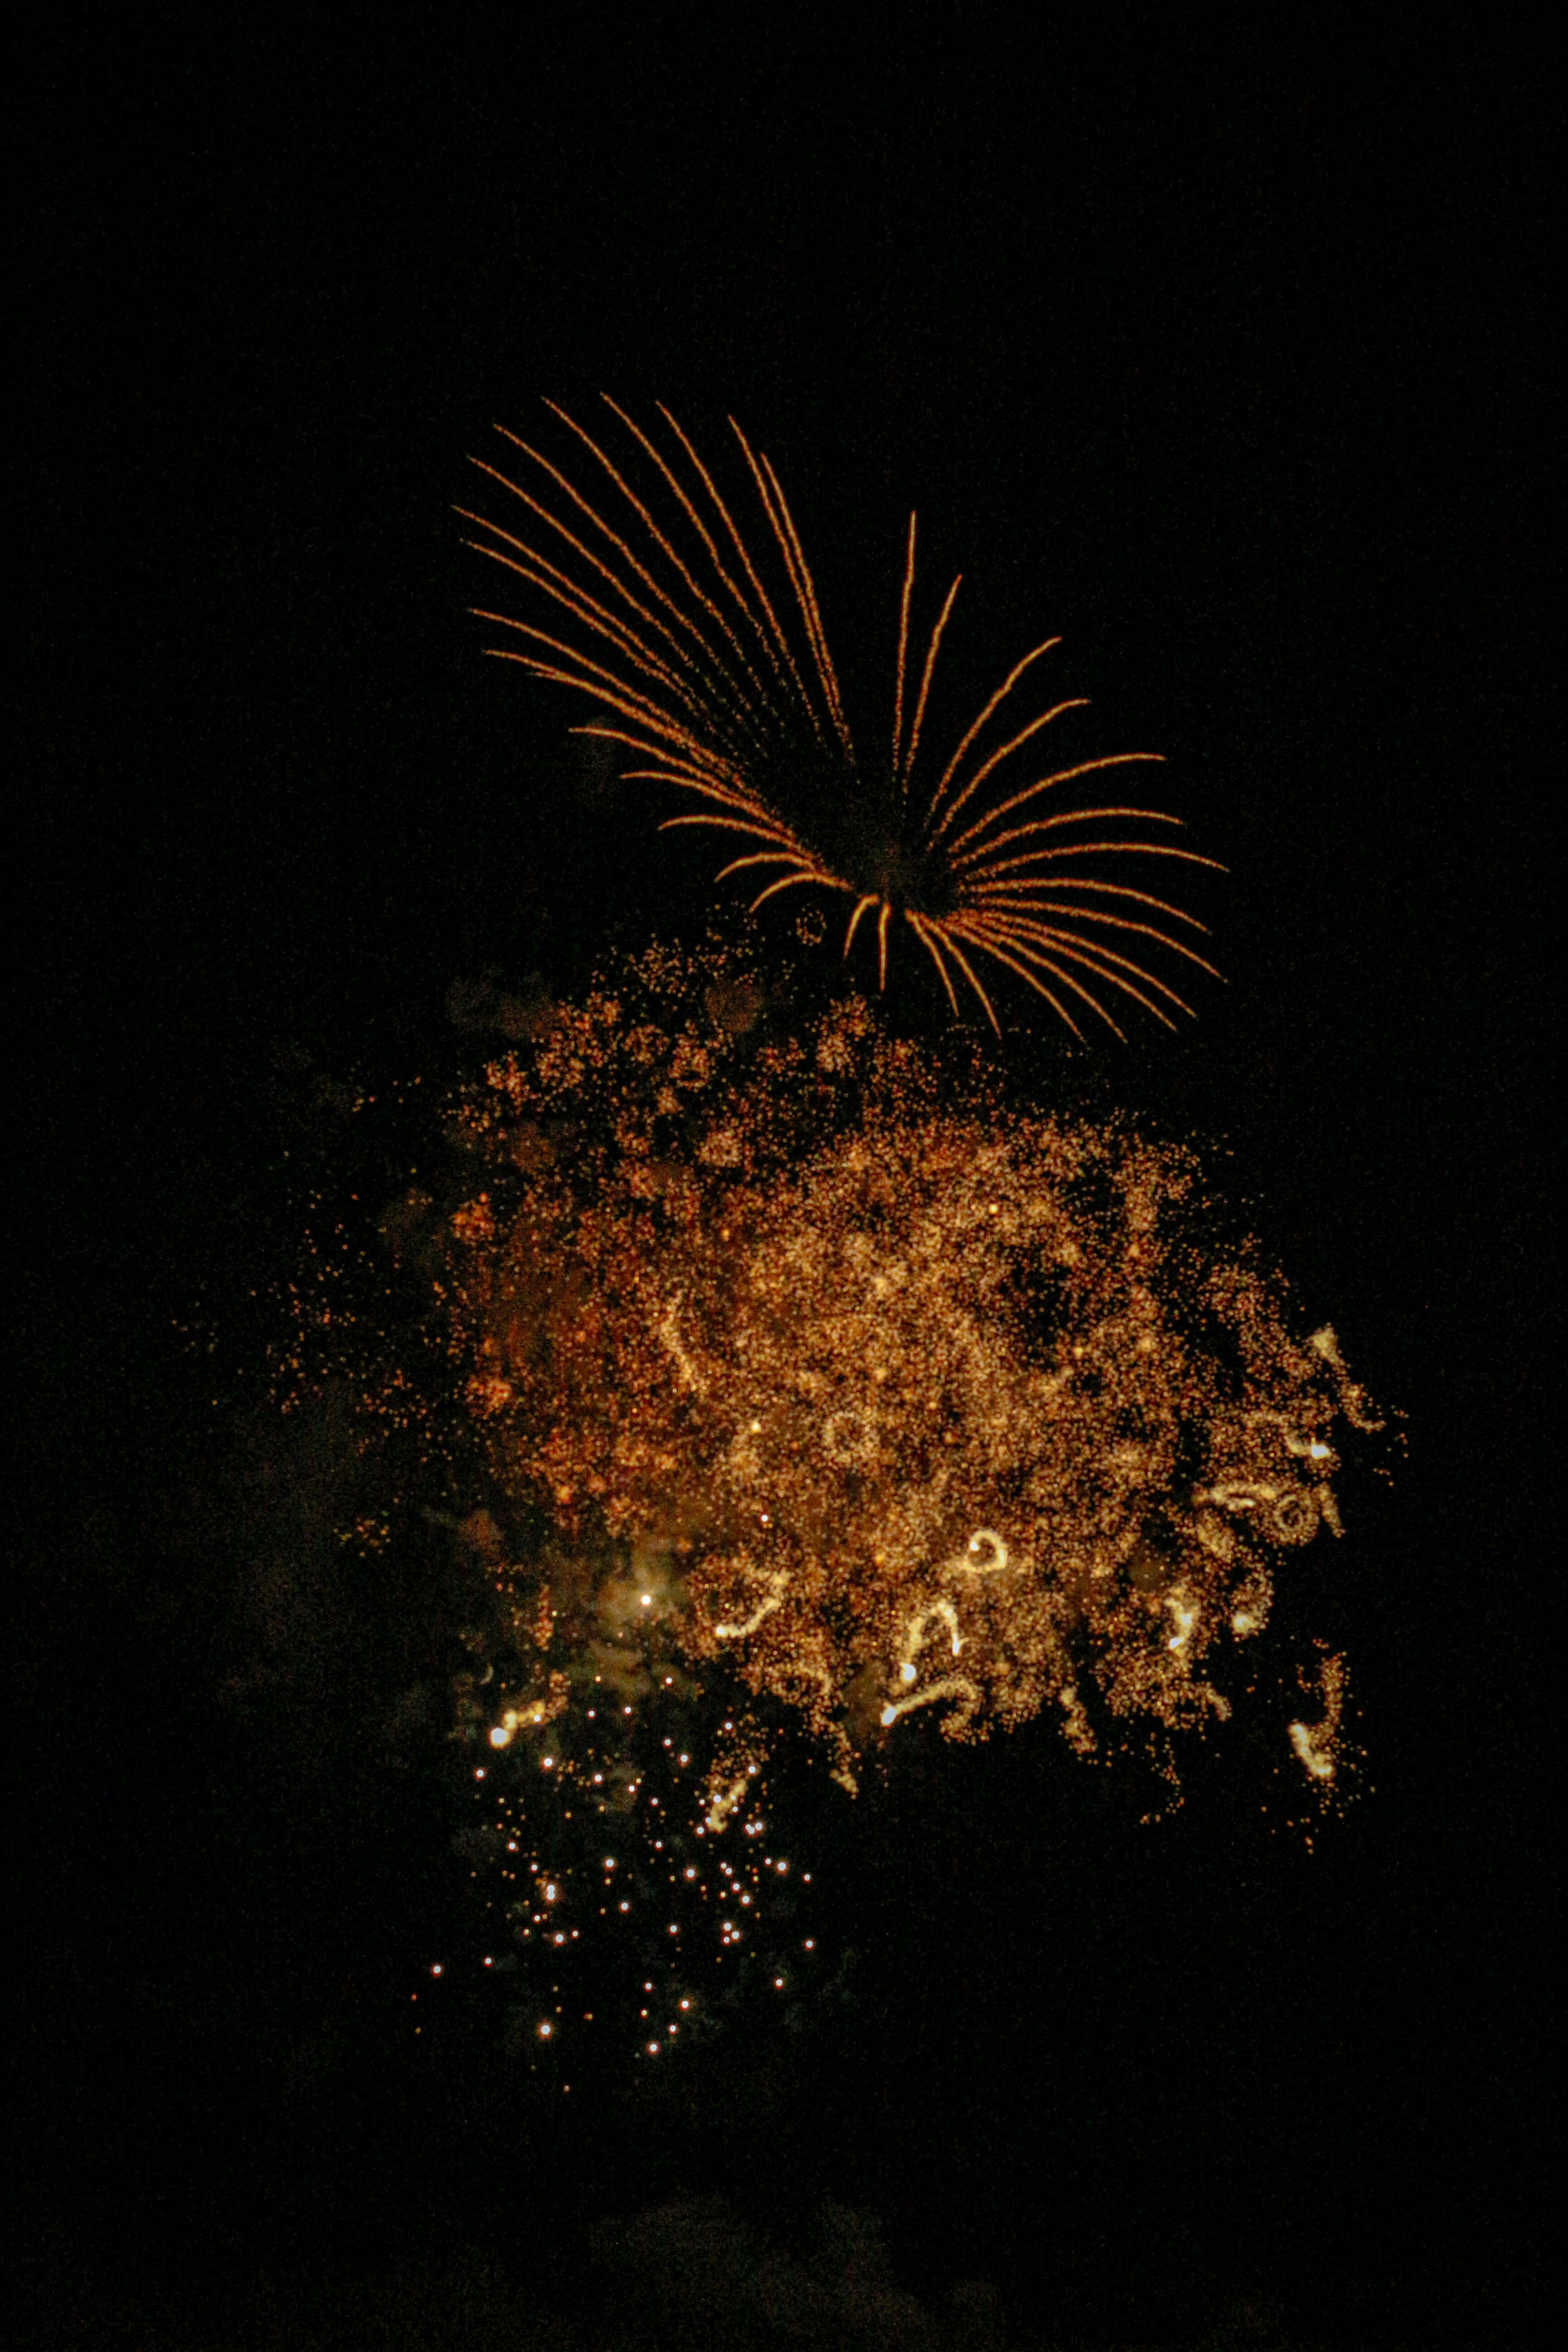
<point>730,692</point>
<point>904,1402</point>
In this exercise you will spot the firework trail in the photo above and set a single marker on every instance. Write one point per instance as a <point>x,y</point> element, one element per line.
<point>727,689</point>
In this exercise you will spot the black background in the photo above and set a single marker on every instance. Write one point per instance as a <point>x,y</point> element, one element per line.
<point>1221,353</point>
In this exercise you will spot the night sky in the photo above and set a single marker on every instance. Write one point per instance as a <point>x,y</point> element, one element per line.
<point>1220,354</point>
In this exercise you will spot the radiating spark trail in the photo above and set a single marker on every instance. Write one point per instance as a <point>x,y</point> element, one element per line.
<point>730,694</point>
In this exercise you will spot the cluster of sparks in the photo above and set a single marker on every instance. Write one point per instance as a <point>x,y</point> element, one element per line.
<point>798,1401</point>
<point>907,1408</point>
<point>599,1849</point>
<point>663,618</point>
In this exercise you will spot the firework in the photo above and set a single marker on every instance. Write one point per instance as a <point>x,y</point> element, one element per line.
<point>726,689</point>
<point>912,1406</point>
<point>793,1400</point>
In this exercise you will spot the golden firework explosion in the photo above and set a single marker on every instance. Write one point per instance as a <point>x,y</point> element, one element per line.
<point>908,1403</point>
<point>727,689</point>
